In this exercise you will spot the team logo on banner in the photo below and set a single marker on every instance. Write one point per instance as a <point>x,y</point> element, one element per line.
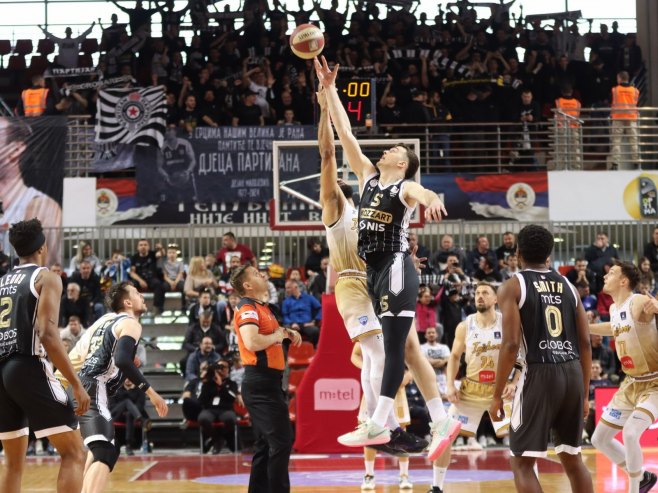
<point>107,202</point>
<point>520,196</point>
<point>641,197</point>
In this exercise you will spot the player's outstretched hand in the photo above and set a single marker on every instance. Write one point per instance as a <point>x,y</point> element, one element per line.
<point>159,404</point>
<point>496,410</point>
<point>434,210</point>
<point>325,74</point>
<point>82,399</point>
<point>651,306</point>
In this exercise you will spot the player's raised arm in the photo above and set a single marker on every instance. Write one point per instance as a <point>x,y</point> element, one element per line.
<point>359,163</point>
<point>414,193</point>
<point>330,195</point>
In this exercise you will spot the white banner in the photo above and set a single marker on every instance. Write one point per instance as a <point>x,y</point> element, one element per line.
<point>603,195</point>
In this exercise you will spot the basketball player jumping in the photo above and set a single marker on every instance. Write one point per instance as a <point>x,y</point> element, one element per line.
<point>479,336</point>
<point>109,361</point>
<point>388,198</point>
<point>543,315</point>
<point>634,406</point>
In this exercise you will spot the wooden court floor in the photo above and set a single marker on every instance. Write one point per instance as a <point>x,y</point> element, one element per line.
<point>470,472</point>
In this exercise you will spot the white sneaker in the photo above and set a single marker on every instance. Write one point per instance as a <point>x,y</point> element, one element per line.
<point>405,484</point>
<point>459,442</point>
<point>506,441</point>
<point>443,434</point>
<point>473,444</point>
<point>483,441</point>
<point>368,433</point>
<point>491,442</point>
<point>368,483</point>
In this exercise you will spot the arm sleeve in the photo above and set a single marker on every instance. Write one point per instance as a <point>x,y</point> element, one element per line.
<point>124,359</point>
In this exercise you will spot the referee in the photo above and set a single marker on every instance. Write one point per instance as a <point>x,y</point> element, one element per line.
<point>259,340</point>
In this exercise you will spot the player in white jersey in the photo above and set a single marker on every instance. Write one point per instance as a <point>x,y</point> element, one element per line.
<point>355,306</point>
<point>479,336</point>
<point>634,406</point>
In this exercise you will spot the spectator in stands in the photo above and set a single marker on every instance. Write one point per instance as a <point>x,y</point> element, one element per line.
<point>203,303</point>
<point>589,300</point>
<point>624,116</point>
<point>506,249</point>
<point>451,313</point>
<point>69,47</point>
<point>389,114</point>
<point>116,269</point>
<point>421,252</point>
<point>217,396</point>
<point>237,368</point>
<point>128,405</point>
<point>146,276</point>
<point>474,257</point>
<point>630,56</point>
<point>37,100</point>
<point>208,325</point>
<point>73,330</point>
<point>600,253</point>
<point>111,34</point>
<point>439,259</point>
<point>212,265</point>
<point>90,290</point>
<point>512,267</point>
<point>318,282</point>
<point>426,313</point>
<point>85,252</point>
<point>72,305</point>
<point>4,261</point>
<point>651,251</point>
<point>273,297</point>
<point>173,272</point>
<point>226,316</point>
<point>259,79</point>
<point>568,153</point>
<point>296,275</point>
<point>198,278</point>
<point>301,312</point>
<point>189,115</point>
<point>606,357</point>
<point>202,356</point>
<point>437,354</point>
<point>248,113</point>
<point>646,274</point>
<point>487,272</point>
<point>581,273</point>
<point>140,18</point>
<point>57,269</point>
<point>529,115</point>
<point>225,287</point>
<point>316,252</point>
<point>231,247</point>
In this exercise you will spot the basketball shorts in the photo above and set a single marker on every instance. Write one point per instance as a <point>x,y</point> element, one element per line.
<point>355,307</point>
<point>96,424</point>
<point>549,398</point>
<point>474,401</point>
<point>393,285</point>
<point>400,408</point>
<point>31,397</point>
<point>632,395</point>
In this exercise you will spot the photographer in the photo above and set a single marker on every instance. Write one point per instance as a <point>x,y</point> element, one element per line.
<point>217,396</point>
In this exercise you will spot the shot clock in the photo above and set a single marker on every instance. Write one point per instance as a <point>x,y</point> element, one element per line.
<point>359,99</point>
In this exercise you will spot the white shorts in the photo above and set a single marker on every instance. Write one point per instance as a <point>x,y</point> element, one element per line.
<point>355,307</point>
<point>632,395</point>
<point>474,401</point>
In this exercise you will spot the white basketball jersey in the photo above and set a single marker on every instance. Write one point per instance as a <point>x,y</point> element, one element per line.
<point>636,343</point>
<point>342,239</point>
<point>482,348</point>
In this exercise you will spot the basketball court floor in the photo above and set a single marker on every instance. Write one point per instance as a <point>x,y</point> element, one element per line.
<point>470,472</point>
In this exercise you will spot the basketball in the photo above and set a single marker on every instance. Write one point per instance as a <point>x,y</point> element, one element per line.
<point>307,41</point>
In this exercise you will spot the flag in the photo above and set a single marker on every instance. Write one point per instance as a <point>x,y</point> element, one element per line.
<point>116,201</point>
<point>131,116</point>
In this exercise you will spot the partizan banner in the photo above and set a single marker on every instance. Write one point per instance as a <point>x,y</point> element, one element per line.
<point>32,176</point>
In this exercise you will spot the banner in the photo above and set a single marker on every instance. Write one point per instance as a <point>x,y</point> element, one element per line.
<point>516,196</point>
<point>609,195</point>
<point>32,175</point>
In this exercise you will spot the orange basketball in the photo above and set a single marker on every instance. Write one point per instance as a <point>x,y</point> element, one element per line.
<point>307,41</point>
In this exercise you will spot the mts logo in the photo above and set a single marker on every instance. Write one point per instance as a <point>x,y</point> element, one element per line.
<point>337,394</point>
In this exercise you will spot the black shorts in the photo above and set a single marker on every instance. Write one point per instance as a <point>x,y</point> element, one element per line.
<point>393,284</point>
<point>96,424</point>
<point>31,396</point>
<point>549,398</point>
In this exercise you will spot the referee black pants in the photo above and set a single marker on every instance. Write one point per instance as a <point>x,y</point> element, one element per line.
<point>267,406</point>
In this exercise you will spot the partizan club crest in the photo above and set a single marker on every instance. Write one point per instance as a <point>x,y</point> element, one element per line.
<point>133,110</point>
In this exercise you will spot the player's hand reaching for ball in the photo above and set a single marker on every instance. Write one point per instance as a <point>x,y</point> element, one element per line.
<point>326,76</point>
<point>434,210</point>
<point>496,410</point>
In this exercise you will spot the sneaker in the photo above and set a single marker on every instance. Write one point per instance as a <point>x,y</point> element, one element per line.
<point>435,489</point>
<point>491,441</point>
<point>648,481</point>
<point>389,450</point>
<point>129,451</point>
<point>207,444</point>
<point>506,441</point>
<point>368,483</point>
<point>443,434</point>
<point>473,444</point>
<point>405,484</point>
<point>483,442</point>
<point>407,442</point>
<point>366,434</point>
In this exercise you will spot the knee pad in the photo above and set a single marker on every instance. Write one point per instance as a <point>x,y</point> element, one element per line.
<point>104,452</point>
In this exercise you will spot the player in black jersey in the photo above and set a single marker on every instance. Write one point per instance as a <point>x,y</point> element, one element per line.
<point>176,165</point>
<point>109,360</point>
<point>29,341</point>
<point>388,197</point>
<point>543,316</point>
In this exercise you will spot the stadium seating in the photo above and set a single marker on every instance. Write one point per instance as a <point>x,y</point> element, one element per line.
<point>5,49</point>
<point>301,355</point>
<point>294,380</point>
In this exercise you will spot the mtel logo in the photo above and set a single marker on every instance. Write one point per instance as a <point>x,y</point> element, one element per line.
<point>337,394</point>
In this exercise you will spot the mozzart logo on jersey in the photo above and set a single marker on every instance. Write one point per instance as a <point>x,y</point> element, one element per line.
<point>336,394</point>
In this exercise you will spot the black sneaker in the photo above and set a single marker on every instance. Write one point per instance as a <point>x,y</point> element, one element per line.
<point>648,481</point>
<point>389,450</point>
<point>435,489</point>
<point>407,442</point>
<point>207,444</point>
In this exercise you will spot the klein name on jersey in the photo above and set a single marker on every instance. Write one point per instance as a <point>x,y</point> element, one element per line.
<point>479,347</point>
<point>548,286</point>
<point>375,215</point>
<point>619,330</point>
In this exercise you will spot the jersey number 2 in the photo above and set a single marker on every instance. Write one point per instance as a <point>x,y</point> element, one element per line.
<point>5,311</point>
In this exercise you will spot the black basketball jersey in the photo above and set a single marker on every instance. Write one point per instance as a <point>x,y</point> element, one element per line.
<point>383,218</point>
<point>18,310</point>
<point>99,363</point>
<point>548,317</point>
<point>176,159</point>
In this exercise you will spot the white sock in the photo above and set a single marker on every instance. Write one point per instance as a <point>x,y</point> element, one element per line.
<point>369,396</point>
<point>635,426</point>
<point>392,422</point>
<point>373,347</point>
<point>383,409</point>
<point>404,467</point>
<point>370,467</point>
<point>438,476</point>
<point>436,409</point>
<point>634,483</point>
<point>536,469</point>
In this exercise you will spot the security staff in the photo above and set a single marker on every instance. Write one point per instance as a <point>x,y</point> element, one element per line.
<point>568,153</point>
<point>36,101</point>
<point>624,115</point>
<point>259,341</point>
